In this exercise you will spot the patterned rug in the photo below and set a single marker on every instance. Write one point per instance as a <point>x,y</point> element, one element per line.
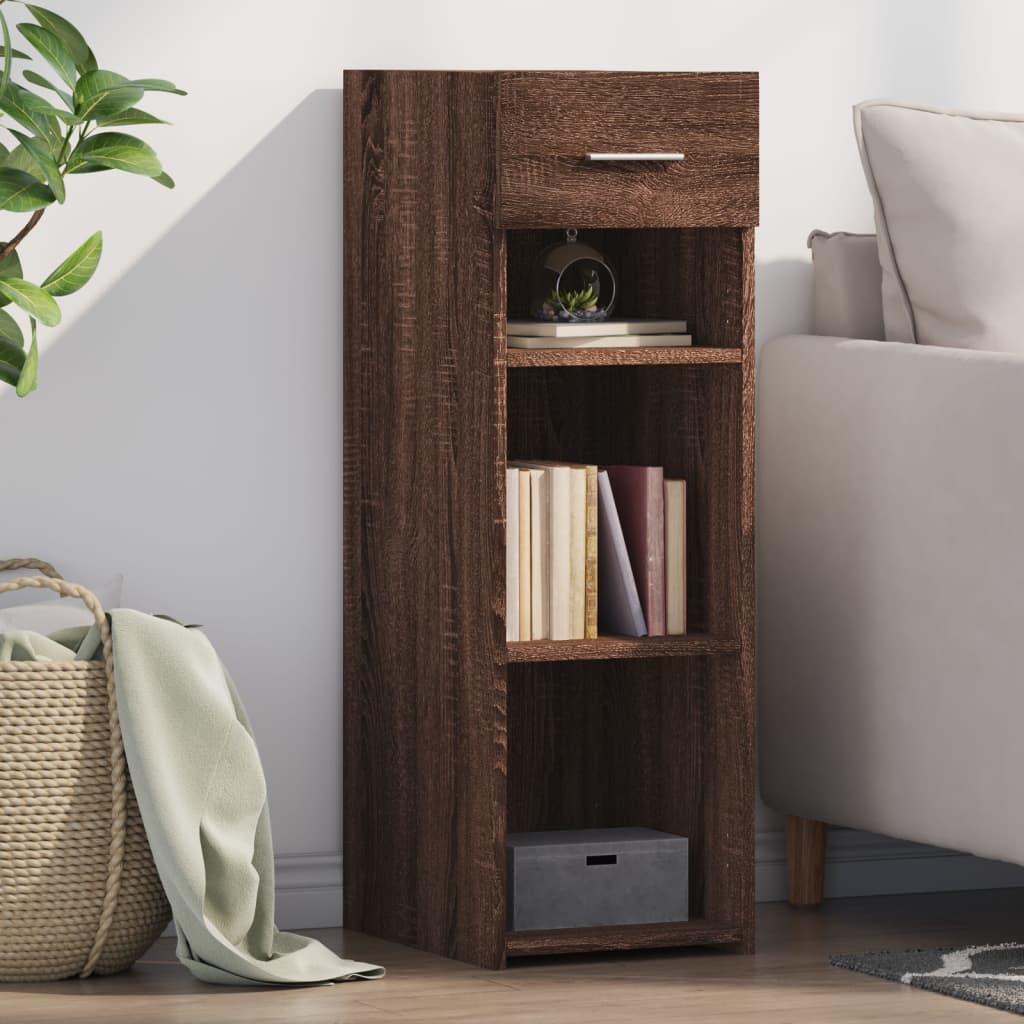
<point>990,975</point>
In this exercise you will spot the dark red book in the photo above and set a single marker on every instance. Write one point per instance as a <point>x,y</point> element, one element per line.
<point>640,499</point>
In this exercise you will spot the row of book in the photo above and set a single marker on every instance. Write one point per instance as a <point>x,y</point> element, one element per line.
<point>594,550</point>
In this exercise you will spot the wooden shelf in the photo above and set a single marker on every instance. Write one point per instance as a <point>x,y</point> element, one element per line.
<point>697,932</point>
<point>546,735</point>
<point>685,355</point>
<point>605,647</point>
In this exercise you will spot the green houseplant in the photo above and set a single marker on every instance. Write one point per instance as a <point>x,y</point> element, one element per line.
<point>53,130</point>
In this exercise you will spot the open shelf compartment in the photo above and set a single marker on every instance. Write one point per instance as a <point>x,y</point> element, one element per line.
<point>648,731</point>
<point>590,747</point>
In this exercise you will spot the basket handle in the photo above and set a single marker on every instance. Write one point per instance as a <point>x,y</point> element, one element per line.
<point>52,580</point>
<point>6,565</point>
<point>65,589</point>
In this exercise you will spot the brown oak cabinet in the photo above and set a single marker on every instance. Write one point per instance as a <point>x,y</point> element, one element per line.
<point>454,737</point>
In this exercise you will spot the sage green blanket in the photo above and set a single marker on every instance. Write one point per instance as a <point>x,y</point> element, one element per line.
<point>200,788</point>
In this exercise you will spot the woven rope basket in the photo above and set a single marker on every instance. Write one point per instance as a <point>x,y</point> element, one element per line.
<point>79,893</point>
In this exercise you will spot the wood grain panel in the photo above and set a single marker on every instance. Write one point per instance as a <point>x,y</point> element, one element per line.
<point>608,647</point>
<point>632,936</point>
<point>549,121</point>
<point>424,757</point>
<point>573,112</point>
<point>729,737</point>
<point>549,191</point>
<point>668,356</point>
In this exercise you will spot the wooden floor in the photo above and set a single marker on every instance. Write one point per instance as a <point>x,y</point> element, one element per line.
<point>789,980</point>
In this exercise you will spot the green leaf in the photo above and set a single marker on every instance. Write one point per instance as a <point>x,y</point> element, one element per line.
<point>10,267</point>
<point>77,269</point>
<point>32,299</point>
<point>102,94</point>
<point>30,111</point>
<point>72,39</point>
<point>157,85</point>
<point>11,354</point>
<point>27,378</point>
<point>41,153</point>
<point>118,151</point>
<point>164,179</point>
<point>10,334</point>
<point>21,159</point>
<point>8,374</point>
<point>56,54</point>
<point>15,53</point>
<point>87,168</point>
<point>131,116</point>
<point>6,76</point>
<point>37,79</point>
<point>21,193</point>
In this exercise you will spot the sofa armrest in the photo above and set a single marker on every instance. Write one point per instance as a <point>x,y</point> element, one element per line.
<point>891,587</point>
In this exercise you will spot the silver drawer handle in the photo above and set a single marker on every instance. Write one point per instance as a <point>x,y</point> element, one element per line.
<point>596,158</point>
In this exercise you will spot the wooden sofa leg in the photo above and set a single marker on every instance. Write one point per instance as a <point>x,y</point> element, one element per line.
<point>805,857</point>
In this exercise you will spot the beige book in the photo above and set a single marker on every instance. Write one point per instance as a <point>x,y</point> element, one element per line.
<point>525,624</point>
<point>590,582</point>
<point>578,552</point>
<point>675,557</point>
<point>512,554</point>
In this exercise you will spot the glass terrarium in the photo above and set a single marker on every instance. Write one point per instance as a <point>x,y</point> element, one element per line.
<point>572,282</point>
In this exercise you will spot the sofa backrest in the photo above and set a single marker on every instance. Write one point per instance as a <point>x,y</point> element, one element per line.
<point>847,285</point>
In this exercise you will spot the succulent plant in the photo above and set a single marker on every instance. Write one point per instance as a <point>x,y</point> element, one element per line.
<point>582,300</point>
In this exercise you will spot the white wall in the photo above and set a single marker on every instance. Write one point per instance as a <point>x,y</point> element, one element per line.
<point>187,430</point>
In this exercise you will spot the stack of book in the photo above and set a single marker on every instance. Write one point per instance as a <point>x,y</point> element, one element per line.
<point>597,334</point>
<point>591,549</point>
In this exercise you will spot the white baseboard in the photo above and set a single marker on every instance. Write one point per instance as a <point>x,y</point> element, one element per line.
<point>863,864</point>
<point>858,864</point>
<point>308,890</point>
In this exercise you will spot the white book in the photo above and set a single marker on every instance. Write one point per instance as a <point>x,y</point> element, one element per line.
<point>525,624</point>
<point>605,341</point>
<point>556,539</point>
<point>559,550</point>
<point>540,526</point>
<point>578,551</point>
<point>593,328</point>
<point>512,554</point>
<point>675,557</point>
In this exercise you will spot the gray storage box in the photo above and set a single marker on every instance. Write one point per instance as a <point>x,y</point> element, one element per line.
<point>603,876</point>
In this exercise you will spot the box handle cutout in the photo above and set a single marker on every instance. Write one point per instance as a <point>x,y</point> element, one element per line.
<point>602,858</point>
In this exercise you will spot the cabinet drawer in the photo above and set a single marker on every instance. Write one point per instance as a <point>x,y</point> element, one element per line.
<point>550,121</point>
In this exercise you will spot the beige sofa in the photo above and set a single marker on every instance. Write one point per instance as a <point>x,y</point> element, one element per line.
<point>890,580</point>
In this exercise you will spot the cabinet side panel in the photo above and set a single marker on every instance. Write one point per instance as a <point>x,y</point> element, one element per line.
<point>729,768</point>
<point>424,757</point>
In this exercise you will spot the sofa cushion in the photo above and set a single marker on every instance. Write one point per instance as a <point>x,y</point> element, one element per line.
<point>847,285</point>
<point>947,187</point>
